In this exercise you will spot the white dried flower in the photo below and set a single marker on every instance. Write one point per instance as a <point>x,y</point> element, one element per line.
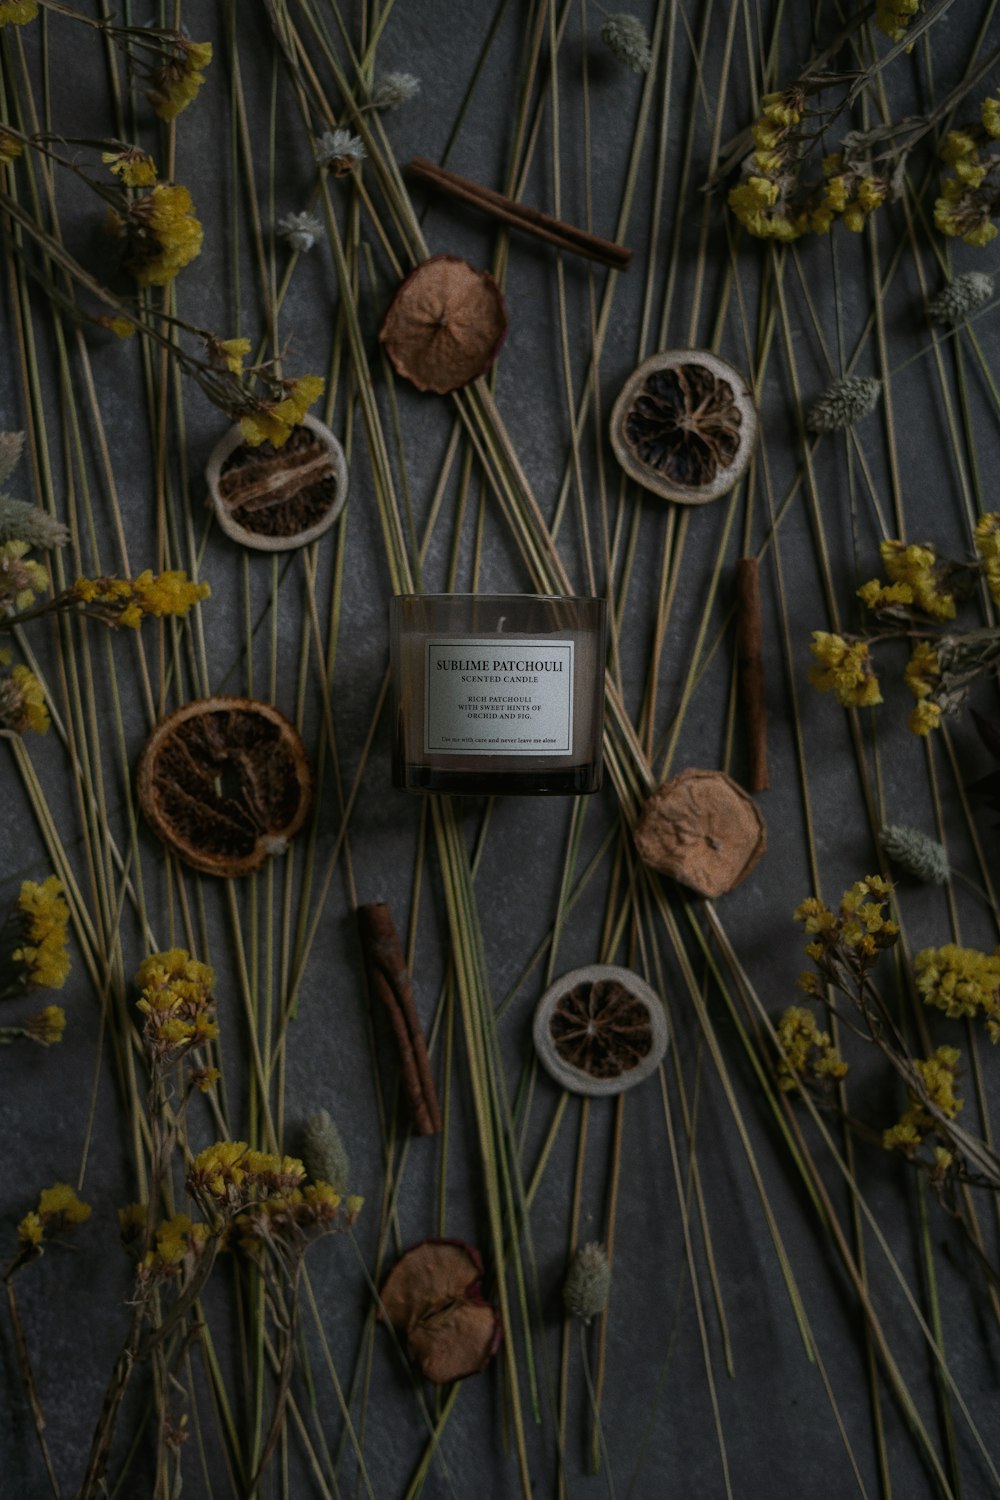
<point>961,297</point>
<point>626,37</point>
<point>394,89</point>
<point>588,1283</point>
<point>324,1152</point>
<point>915,852</point>
<point>340,151</point>
<point>844,403</point>
<point>11,446</point>
<point>300,230</point>
<point>20,522</point>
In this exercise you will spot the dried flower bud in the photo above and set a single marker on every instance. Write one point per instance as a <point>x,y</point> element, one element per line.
<point>301,231</point>
<point>915,852</point>
<point>626,37</point>
<point>11,446</point>
<point>844,403</point>
<point>588,1283</point>
<point>394,89</point>
<point>19,521</point>
<point>961,297</point>
<point>324,1152</point>
<point>340,151</point>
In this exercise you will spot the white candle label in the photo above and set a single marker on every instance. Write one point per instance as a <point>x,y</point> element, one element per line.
<point>496,695</point>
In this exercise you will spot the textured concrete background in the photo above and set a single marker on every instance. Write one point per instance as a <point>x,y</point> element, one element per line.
<point>781,1438</point>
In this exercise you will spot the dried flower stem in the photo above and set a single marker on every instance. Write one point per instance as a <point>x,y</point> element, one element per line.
<point>543,226</point>
<point>30,1388</point>
<point>388,979</point>
<point>751,668</point>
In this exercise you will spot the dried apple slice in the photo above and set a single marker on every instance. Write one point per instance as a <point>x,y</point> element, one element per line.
<point>433,1299</point>
<point>445,325</point>
<point>703,829</point>
<point>225,783</point>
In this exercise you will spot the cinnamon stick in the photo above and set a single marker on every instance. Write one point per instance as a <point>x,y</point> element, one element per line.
<point>751,669</point>
<point>519,216</point>
<point>389,981</point>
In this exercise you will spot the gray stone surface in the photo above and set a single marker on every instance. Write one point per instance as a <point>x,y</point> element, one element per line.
<point>665,1362</point>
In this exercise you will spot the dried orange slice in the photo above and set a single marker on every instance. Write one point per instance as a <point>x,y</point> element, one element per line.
<point>225,783</point>
<point>685,425</point>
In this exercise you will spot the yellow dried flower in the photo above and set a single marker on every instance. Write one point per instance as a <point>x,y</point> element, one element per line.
<point>22,703</point>
<point>805,1049</point>
<point>925,717</point>
<point>923,670</point>
<point>21,578</point>
<point>58,1208</point>
<point>133,166</point>
<point>41,956</point>
<point>177,83</point>
<point>845,669</point>
<point>48,1026</point>
<point>987,532</point>
<point>30,1230</point>
<point>879,596</point>
<point>10,148</point>
<point>17,12</point>
<point>177,1003</point>
<point>938,1075</point>
<point>918,568</point>
<point>162,234</point>
<point>120,601</point>
<point>961,982</point>
<point>273,421</point>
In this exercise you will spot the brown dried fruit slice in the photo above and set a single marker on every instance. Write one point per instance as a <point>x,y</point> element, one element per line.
<point>225,783</point>
<point>600,1030</point>
<point>433,1298</point>
<point>274,499</point>
<point>703,829</point>
<point>445,325</point>
<point>684,425</point>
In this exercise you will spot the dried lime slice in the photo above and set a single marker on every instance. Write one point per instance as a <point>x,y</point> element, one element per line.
<point>600,1030</point>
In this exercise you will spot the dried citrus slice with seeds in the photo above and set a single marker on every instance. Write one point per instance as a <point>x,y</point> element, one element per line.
<point>684,425</point>
<point>274,499</point>
<point>225,783</point>
<point>600,1030</point>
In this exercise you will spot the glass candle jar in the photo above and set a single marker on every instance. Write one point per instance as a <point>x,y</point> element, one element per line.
<point>497,693</point>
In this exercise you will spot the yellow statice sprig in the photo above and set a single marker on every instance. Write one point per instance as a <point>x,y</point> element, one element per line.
<point>132,166</point>
<point>843,666</point>
<point>127,602</point>
<point>176,84</point>
<point>970,193</point>
<point>845,944</point>
<point>962,982</point>
<point>34,940</point>
<point>160,233</point>
<point>892,17</point>
<point>932,1101</point>
<point>806,1054</point>
<point>58,1208</point>
<point>22,702</point>
<point>22,579</point>
<point>46,1028</point>
<point>177,1004</point>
